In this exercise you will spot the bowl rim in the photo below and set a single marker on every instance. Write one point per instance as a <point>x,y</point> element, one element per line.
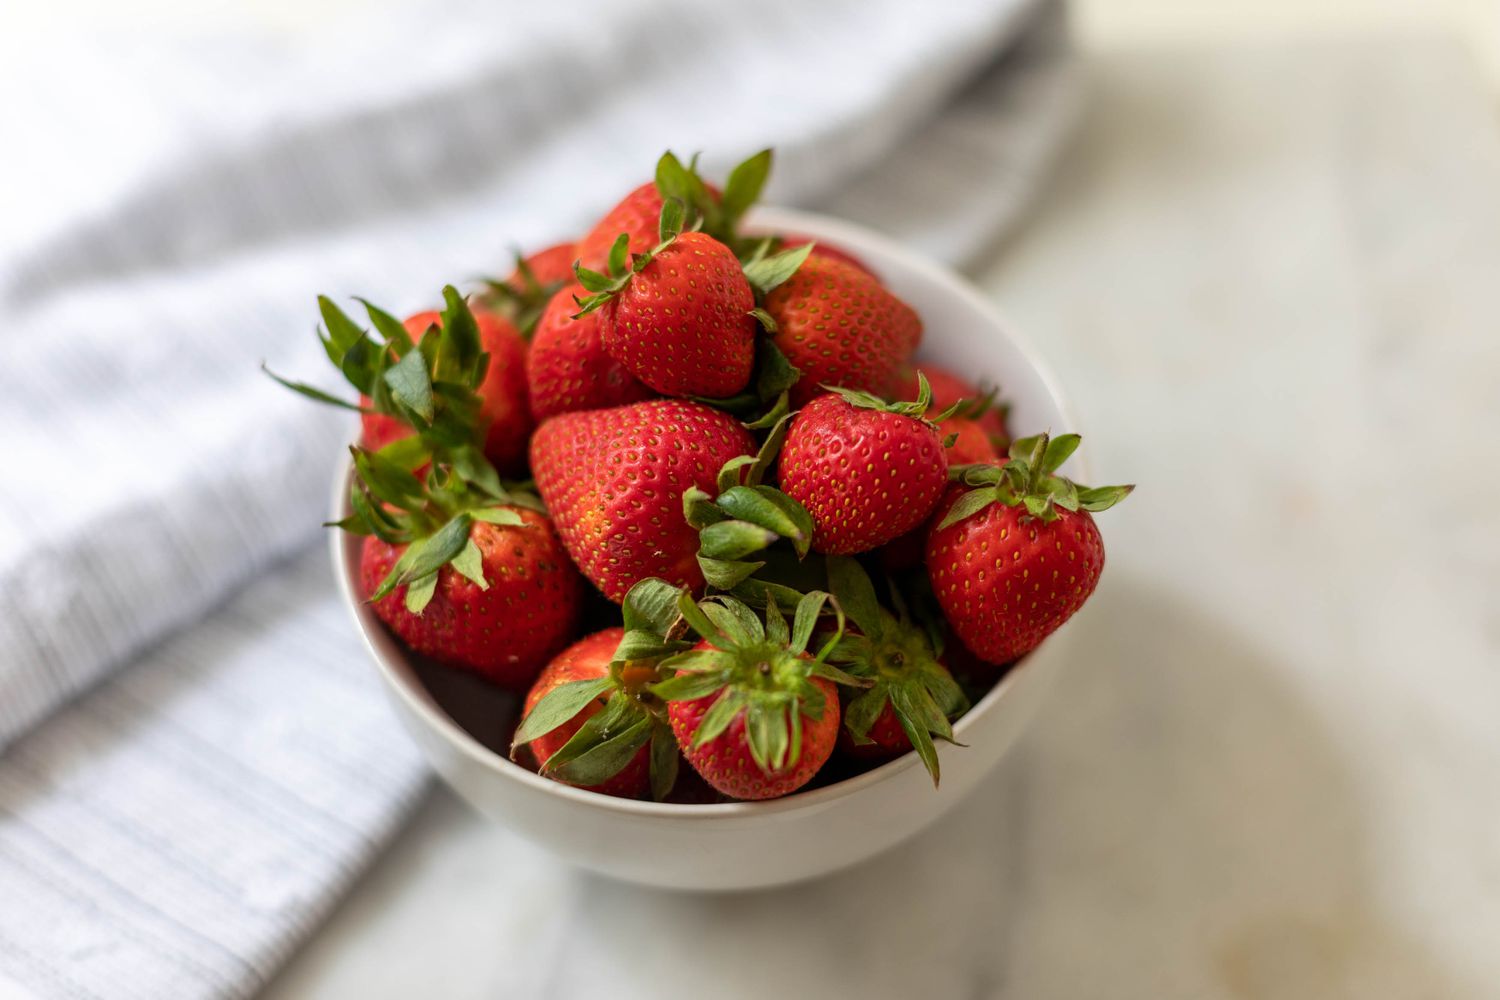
<point>420,703</point>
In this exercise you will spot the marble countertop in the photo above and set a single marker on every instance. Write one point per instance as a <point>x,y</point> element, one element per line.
<point>1268,279</point>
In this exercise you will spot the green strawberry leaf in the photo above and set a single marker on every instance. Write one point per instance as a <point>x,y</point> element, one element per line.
<point>314,393</point>
<point>470,564</point>
<point>411,385</point>
<point>558,706</point>
<point>419,592</point>
<point>605,758</point>
<point>766,274</point>
<point>744,185</point>
<point>665,759</point>
<point>850,583</point>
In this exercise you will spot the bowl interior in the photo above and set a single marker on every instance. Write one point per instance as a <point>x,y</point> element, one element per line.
<point>962,332</point>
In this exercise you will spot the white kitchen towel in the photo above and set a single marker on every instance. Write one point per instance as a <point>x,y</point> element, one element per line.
<point>167,223</point>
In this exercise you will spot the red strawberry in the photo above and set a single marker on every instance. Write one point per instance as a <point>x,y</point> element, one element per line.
<point>753,713</point>
<point>614,479</point>
<point>587,659</point>
<point>1014,558</point>
<point>567,367</point>
<point>506,628</point>
<point>840,327</point>
<point>948,390</point>
<point>636,216</point>
<point>504,409</point>
<point>681,324</point>
<point>638,213</point>
<point>912,697</point>
<point>828,250</point>
<point>866,470</point>
<point>550,266</point>
<point>971,444</point>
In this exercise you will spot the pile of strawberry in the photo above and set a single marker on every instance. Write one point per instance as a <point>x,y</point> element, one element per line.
<point>754,536</point>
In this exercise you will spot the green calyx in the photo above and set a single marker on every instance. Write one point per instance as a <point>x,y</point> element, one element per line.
<point>718,217</point>
<point>522,305</point>
<point>431,385</point>
<point>623,265</point>
<point>746,517</point>
<point>1029,479</point>
<point>760,668</point>
<point>432,516</point>
<point>916,408</point>
<point>899,660</point>
<point>633,715</point>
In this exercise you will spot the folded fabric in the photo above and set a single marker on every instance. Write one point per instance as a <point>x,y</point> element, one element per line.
<point>172,832</point>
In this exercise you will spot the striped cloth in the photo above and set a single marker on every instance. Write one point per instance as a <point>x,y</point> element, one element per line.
<point>174,828</point>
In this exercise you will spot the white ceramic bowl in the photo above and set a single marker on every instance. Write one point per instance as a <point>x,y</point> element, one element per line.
<point>462,723</point>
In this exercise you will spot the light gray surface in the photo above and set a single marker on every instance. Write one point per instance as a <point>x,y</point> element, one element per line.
<point>1269,281</point>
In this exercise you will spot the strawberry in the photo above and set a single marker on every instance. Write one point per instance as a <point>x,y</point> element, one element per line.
<point>868,471</point>
<point>567,367</point>
<point>912,696</point>
<point>828,250</point>
<point>679,318</point>
<point>841,327</point>
<point>504,410</point>
<point>967,441</point>
<point>1016,555</point>
<point>586,661</point>
<point>614,481</point>
<point>635,217</point>
<point>499,609</point>
<point>591,720</point>
<point>550,266</point>
<point>950,390</point>
<point>754,714</point>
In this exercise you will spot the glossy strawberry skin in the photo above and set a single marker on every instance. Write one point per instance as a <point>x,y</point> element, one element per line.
<point>585,660</point>
<point>637,216</point>
<point>841,327</point>
<point>888,739</point>
<point>682,325</point>
<point>548,266</point>
<point>971,442</point>
<point>504,407</point>
<point>725,761</point>
<point>1005,580</point>
<point>614,479</point>
<point>505,633</point>
<point>949,388</point>
<point>866,476</point>
<point>828,250</point>
<point>567,367</point>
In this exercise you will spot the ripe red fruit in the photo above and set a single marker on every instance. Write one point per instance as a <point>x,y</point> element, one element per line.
<point>567,367</point>
<point>504,409</point>
<point>1013,559</point>
<point>827,250</point>
<point>841,327</point>
<point>948,390</point>
<point>504,631</point>
<point>971,443</point>
<point>752,712</point>
<point>586,659</point>
<point>549,266</point>
<point>614,479</point>
<point>636,216</point>
<point>866,471</point>
<point>726,762</point>
<point>682,324</point>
